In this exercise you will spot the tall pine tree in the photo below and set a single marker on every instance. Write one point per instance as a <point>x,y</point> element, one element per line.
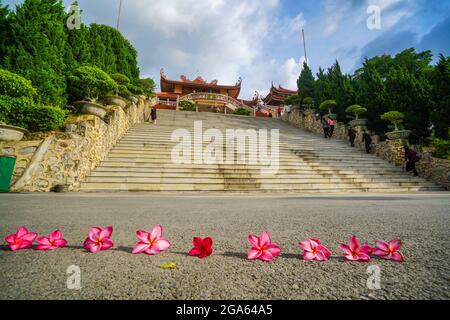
<point>306,83</point>
<point>38,47</point>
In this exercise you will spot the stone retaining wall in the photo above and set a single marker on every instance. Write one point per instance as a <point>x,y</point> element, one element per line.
<point>434,169</point>
<point>65,158</point>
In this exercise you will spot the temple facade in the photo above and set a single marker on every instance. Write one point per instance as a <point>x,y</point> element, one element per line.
<point>208,96</point>
<point>271,102</point>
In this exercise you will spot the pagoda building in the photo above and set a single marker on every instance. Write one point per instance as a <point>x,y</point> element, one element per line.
<point>208,96</point>
<point>271,102</point>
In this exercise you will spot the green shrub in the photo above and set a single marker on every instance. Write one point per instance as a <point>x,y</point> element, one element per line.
<point>123,91</point>
<point>187,106</point>
<point>355,110</point>
<point>242,111</point>
<point>46,118</point>
<point>293,100</point>
<point>24,113</point>
<point>308,103</point>
<point>147,85</point>
<point>440,148</point>
<point>327,106</point>
<point>394,117</point>
<point>90,83</point>
<point>134,89</point>
<point>13,85</point>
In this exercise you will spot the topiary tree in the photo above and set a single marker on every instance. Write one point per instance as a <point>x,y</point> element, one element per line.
<point>242,111</point>
<point>394,117</point>
<point>293,100</point>
<point>146,85</point>
<point>25,113</point>
<point>186,105</point>
<point>13,85</point>
<point>354,111</point>
<point>120,79</point>
<point>308,103</point>
<point>327,106</point>
<point>90,83</point>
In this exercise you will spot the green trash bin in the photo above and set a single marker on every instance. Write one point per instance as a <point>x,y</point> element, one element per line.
<point>6,171</point>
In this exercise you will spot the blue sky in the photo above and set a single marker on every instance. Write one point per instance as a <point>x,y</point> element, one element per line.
<point>260,40</point>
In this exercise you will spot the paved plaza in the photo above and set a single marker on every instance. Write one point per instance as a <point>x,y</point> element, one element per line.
<point>422,221</point>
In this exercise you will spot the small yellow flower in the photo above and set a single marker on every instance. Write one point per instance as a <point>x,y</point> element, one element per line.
<point>170,265</point>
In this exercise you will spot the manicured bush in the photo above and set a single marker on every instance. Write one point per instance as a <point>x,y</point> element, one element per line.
<point>123,82</point>
<point>120,79</point>
<point>293,100</point>
<point>46,118</point>
<point>327,106</point>
<point>25,113</point>
<point>308,103</point>
<point>187,106</point>
<point>394,117</point>
<point>147,85</point>
<point>90,83</point>
<point>354,111</point>
<point>13,85</point>
<point>440,148</point>
<point>242,111</point>
<point>134,89</point>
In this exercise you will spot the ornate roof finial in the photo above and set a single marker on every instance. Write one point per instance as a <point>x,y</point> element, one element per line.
<point>161,72</point>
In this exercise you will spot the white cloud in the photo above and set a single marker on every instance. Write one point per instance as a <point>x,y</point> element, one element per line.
<point>216,39</point>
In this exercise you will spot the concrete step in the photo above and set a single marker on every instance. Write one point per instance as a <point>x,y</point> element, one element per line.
<point>103,187</point>
<point>141,161</point>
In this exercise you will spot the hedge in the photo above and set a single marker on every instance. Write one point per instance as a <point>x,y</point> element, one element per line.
<point>13,85</point>
<point>24,113</point>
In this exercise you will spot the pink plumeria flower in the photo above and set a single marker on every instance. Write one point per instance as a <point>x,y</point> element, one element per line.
<point>314,250</point>
<point>99,239</point>
<point>354,252</point>
<point>262,249</point>
<point>54,241</point>
<point>21,240</point>
<point>389,251</point>
<point>151,242</point>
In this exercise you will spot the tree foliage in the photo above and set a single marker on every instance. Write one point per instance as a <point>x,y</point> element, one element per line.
<point>36,44</point>
<point>90,83</point>
<point>13,85</point>
<point>306,83</point>
<point>406,82</point>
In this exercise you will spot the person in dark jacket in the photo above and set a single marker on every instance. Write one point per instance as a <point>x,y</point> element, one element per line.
<point>352,136</point>
<point>331,127</point>
<point>367,139</point>
<point>326,127</point>
<point>411,158</point>
<point>153,114</point>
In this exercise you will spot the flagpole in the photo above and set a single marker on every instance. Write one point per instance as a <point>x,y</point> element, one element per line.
<point>118,16</point>
<point>304,46</point>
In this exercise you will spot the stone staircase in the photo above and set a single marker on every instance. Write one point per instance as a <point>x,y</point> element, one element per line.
<point>141,161</point>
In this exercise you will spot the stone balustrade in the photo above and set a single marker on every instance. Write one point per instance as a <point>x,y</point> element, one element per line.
<point>431,168</point>
<point>65,158</point>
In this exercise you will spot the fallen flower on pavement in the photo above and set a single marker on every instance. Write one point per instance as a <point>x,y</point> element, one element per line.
<point>151,242</point>
<point>98,239</point>
<point>202,247</point>
<point>389,251</point>
<point>262,249</point>
<point>21,240</point>
<point>54,241</point>
<point>314,250</point>
<point>354,252</point>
